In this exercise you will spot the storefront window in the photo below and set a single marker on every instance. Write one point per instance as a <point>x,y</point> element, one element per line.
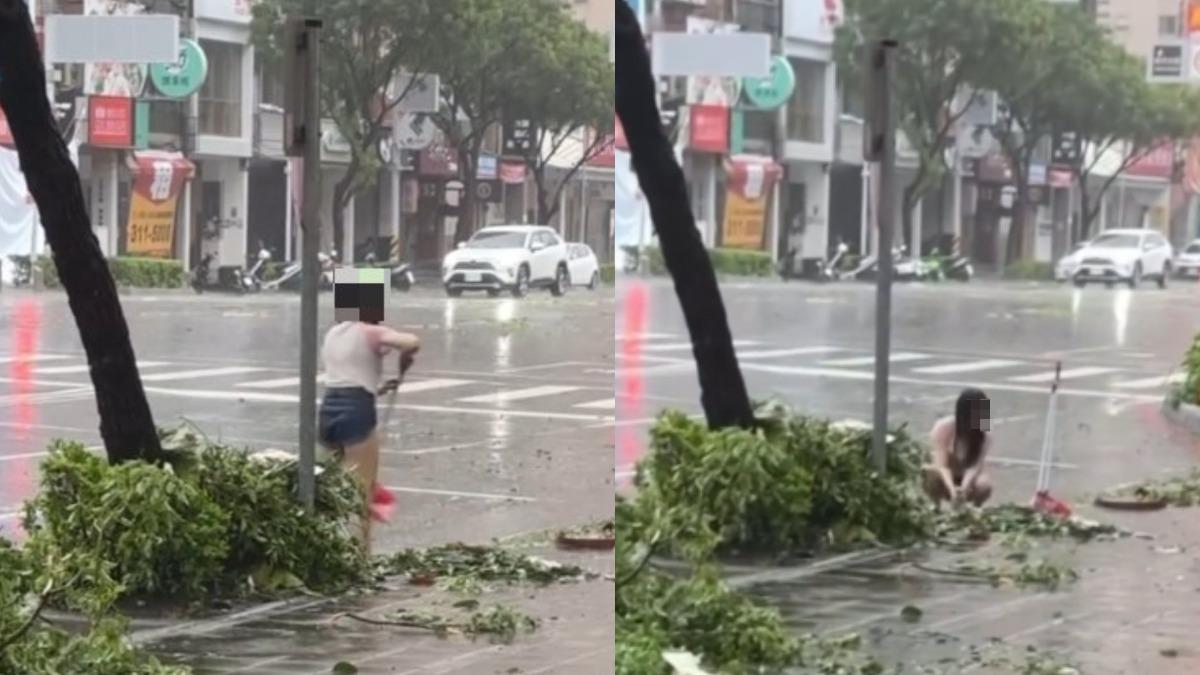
<point>221,95</point>
<point>806,108</point>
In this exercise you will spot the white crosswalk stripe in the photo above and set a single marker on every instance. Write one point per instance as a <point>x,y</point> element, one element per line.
<point>778,353</point>
<point>69,370</point>
<point>898,357</point>
<point>32,358</point>
<point>687,346</point>
<point>1068,374</point>
<point>968,367</point>
<point>199,373</point>
<point>1152,382</point>
<point>520,394</point>
<point>602,404</point>
<point>432,385</point>
<point>280,383</point>
<point>645,336</point>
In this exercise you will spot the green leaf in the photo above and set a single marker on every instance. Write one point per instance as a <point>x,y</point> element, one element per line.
<point>344,668</point>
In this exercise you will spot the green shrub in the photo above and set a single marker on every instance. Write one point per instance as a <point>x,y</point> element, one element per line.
<point>796,483</point>
<point>1030,270</point>
<point>608,274</point>
<point>725,261</point>
<point>214,520</point>
<point>126,272</point>
<point>1189,389</point>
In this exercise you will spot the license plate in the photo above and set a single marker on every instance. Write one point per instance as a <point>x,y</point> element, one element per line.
<point>473,277</point>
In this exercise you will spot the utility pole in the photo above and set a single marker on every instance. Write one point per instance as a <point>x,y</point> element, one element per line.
<point>880,145</point>
<point>304,127</point>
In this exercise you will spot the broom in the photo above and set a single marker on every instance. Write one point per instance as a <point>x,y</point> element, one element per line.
<point>1042,499</point>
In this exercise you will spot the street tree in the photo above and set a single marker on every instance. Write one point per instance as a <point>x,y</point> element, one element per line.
<point>940,53</point>
<point>723,393</point>
<point>568,100</point>
<point>1123,114</point>
<point>365,46</point>
<point>1036,49</point>
<point>126,424</point>
<point>490,54</point>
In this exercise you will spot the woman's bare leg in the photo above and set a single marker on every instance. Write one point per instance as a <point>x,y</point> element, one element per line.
<point>934,486</point>
<point>981,491</point>
<point>363,459</point>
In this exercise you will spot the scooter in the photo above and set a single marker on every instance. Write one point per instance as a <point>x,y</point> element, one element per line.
<point>251,281</point>
<point>200,275</point>
<point>290,278</point>
<point>401,274</point>
<point>827,270</point>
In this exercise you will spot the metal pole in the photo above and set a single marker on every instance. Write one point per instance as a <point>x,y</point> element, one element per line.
<point>310,225</point>
<point>885,218</point>
<point>864,234</point>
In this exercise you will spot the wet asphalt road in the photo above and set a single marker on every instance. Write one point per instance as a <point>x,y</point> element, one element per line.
<point>503,427</point>
<point>812,346</point>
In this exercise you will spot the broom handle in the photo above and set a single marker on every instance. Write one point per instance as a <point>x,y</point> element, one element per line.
<point>1048,439</point>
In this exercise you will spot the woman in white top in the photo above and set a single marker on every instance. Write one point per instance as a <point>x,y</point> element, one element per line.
<point>960,446</point>
<point>353,354</point>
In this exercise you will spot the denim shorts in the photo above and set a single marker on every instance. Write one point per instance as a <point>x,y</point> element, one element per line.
<point>347,417</point>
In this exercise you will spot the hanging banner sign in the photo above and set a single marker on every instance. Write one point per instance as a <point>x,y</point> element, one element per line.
<point>750,182</point>
<point>512,173</point>
<point>158,180</point>
<point>110,121</point>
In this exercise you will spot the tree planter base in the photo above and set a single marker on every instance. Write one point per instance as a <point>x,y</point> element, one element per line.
<point>1185,415</point>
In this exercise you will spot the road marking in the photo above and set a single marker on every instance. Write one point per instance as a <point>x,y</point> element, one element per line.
<point>520,394</point>
<point>431,385</point>
<point>799,351</point>
<point>998,386</point>
<point>1152,382</point>
<point>602,404</point>
<point>264,397</point>
<point>600,371</point>
<point>281,383</point>
<point>33,358</point>
<point>971,367</point>
<point>466,495</point>
<point>69,370</point>
<point>686,346</point>
<point>204,372</point>
<point>898,357</point>
<point>644,336</point>
<point>1069,373</point>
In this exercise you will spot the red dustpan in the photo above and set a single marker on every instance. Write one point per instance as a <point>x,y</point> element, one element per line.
<point>1042,499</point>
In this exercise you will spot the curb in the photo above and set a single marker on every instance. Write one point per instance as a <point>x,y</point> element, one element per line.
<point>1185,415</point>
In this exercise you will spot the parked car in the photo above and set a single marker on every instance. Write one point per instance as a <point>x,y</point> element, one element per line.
<point>1118,256</point>
<point>513,258</point>
<point>1187,264</point>
<point>583,266</point>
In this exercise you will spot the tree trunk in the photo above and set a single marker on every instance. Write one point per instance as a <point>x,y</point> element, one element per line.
<point>126,424</point>
<point>723,392</point>
<point>1086,214</point>
<point>341,199</point>
<point>1015,249</point>
<point>468,159</point>
<point>908,203</point>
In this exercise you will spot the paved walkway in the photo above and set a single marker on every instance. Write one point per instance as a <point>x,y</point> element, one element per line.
<point>1134,609</point>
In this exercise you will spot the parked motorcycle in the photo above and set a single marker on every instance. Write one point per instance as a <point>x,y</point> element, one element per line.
<point>819,270</point>
<point>251,281</point>
<point>939,251</point>
<point>201,276</point>
<point>290,278</point>
<point>400,274</point>
<point>904,267</point>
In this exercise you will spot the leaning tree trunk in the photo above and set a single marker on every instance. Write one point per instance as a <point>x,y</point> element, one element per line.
<point>722,389</point>
<point>126,425</point>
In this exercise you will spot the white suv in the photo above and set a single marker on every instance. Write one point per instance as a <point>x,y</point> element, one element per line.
<point>1125,256</point>
<point>509,257</point>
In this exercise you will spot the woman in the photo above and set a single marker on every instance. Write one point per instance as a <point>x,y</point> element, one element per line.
<point>960,446</point>
<point>353,354</point>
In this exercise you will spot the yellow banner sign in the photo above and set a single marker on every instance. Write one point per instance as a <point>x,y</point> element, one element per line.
<point>151,228</point>
<point>745,221</point>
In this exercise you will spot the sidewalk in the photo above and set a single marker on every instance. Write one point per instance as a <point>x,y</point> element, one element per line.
<point>1133,610</point>
<point>312,634</point>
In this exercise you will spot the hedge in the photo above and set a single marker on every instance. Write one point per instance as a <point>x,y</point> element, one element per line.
<point>608,274</point>
<point>1030,270</point>
<point>726,261</point>
<point>127,272</point>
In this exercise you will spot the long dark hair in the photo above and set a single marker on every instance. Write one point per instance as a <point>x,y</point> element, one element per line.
<point>964,432</point>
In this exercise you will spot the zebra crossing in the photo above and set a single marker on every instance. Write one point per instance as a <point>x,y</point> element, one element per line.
<point>659,349</point>
<point>65,377</point>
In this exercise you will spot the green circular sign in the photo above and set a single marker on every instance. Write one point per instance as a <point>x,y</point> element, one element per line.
<point>775,89</point>
<point>185,76</point>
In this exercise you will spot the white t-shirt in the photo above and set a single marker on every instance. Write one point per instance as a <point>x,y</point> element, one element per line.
<point>352,355</point>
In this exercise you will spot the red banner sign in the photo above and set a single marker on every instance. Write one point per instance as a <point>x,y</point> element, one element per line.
<point>512,172</point>
<point>110,121</point>
<point>709,128</point>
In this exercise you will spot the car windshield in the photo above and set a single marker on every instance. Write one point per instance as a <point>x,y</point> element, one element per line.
<point>1192,248</point>
<point>497,240</point>
<point>1116,241</point>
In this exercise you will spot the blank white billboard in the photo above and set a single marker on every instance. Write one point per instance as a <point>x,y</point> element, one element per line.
<point>146,38</point>
<point>712,55</point>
